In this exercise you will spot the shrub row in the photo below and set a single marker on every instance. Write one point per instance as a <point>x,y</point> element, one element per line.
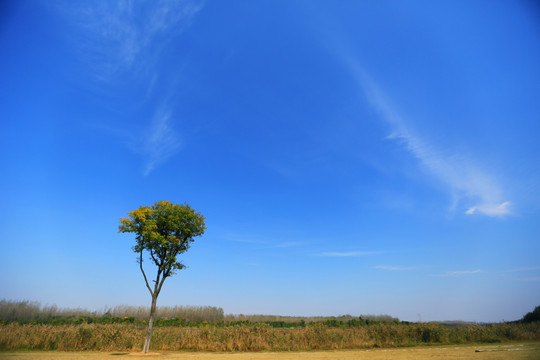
<point>177,322</point>
<point>27,312</point>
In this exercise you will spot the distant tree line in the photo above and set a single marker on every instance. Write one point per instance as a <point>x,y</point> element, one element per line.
<point>532,316</point>
<point>27,312</point>
<point>33,312</point>
<point>308,319</point>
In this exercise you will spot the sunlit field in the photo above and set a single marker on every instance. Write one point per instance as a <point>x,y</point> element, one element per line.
<point>528,350</point>
<point>28,330</point>
<point>255,337</point>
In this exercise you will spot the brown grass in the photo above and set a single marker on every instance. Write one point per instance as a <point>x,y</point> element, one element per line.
<point>129,338</point>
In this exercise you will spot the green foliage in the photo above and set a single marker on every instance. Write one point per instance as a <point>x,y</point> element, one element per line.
<point>165,230</point>
<point>532,316</point>
<point>348,320</point>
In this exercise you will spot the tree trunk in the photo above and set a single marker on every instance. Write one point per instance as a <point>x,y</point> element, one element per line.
<point>150,325</point>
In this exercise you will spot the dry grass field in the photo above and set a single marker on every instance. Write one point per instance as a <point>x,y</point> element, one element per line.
<point>523,350</point>
<point>258,337</point>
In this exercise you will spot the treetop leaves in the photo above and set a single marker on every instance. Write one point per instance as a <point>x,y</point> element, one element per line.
<point>165,230</point>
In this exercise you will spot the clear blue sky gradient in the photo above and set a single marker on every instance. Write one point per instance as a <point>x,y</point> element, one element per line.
<point>351,157</point>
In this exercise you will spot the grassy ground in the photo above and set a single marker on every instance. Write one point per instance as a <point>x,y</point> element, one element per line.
<point>520,351</point>
<point>253,338</point>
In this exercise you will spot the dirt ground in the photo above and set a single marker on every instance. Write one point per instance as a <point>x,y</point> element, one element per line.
<point>530,350</point>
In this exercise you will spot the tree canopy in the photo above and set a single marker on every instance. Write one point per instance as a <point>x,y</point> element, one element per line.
<point>165,230</point>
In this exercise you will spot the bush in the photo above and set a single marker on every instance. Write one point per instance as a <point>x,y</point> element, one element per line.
<point>532,316</point>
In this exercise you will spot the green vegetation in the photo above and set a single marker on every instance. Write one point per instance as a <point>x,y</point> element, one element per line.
<point>532,316</point>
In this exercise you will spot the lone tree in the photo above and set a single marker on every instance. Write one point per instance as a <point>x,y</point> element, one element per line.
<point>164,230</point>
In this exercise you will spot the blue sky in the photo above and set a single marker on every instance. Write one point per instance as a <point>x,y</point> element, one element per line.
<point>350,157</point>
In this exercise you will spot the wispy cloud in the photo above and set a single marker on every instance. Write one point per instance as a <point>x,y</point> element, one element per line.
<point>468,182</point>
<point>464,272</point>
<point>349,253</point>
<point>394,268</point>
<point>287,244</point>
<point>490,210</point>
<point>121,36</point>
<point>245,240</point>
<point>121,41</point>
<point>161,142</point>
<point>264,242</point>
<point>461,273</point>
<point>531,268</point>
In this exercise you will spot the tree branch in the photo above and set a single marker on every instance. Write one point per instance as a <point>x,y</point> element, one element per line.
<point>142,270</point>
<point>156,282</point>
<point>153,258</point>
<point>158,289</point>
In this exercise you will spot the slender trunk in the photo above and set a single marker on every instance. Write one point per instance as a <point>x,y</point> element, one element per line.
<point>150,324</point>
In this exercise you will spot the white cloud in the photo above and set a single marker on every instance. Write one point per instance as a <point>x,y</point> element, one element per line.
<point>265,243</point>
<point>532,268</point>
<point>490,210</point>
<point>394,268</point>
<point>461,273</point>
<point>160,143</point>
<point>245,240</point>
<point>349,254</point>
<point>123,35</point>
<point>465,272</point>
<point>287,244</point>
<point>121,40</point>
<point>468,182</point>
